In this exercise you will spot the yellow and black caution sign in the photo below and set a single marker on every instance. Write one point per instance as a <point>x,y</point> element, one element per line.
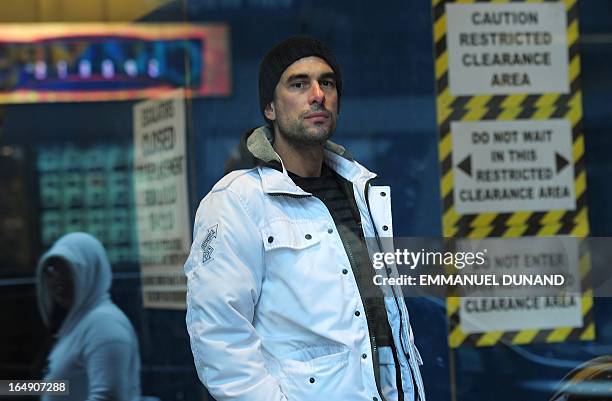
<point>459,336</point>
<point>511,141</point>
<point>536,222</point>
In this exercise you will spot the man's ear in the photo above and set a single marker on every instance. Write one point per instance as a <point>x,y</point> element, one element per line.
<point>269,112</point>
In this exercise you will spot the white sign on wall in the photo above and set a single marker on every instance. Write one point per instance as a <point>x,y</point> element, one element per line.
<point>496,49</point>
<point>510,166</point>
<point>484,314</point>
<point>524,307</point>
<point>160,185</point>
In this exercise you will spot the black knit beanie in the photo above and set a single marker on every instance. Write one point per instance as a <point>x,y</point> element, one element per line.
<point>282,56</point>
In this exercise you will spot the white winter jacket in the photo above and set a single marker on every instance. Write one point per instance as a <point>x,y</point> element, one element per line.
<point>271,296</point>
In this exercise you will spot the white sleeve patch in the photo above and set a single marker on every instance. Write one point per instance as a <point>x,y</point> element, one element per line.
<point>207,249</point>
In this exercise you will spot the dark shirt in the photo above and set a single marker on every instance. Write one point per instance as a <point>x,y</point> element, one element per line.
<point>343,209</point>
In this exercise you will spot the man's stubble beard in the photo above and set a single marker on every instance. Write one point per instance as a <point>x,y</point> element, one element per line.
<point>296,132</point>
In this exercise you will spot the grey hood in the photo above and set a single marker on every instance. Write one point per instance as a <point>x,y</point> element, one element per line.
<point>91,273</point>
<point>256,148</point>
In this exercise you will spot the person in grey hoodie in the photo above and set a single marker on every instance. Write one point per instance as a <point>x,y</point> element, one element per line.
<point>96,348</point>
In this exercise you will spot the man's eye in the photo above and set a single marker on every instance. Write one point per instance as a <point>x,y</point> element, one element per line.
<point>297,85</point>
<point>328,84</point>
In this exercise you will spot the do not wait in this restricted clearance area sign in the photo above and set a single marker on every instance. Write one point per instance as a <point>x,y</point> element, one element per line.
<point>503,167</point>
<point>511,147</point>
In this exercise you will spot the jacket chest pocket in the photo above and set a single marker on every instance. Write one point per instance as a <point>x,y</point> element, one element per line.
<point>290,235</point>
<point>297,250</point>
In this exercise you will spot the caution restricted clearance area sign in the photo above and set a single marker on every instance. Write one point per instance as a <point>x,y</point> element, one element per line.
<point>503,51</point>
<point>534,58</point>
<point>511,144</point>
<point>502,32</point>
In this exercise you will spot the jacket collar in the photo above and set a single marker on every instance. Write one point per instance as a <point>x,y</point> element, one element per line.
<point>275,180</point>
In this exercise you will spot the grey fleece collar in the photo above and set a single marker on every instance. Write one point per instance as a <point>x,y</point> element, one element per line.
<point>259,143</point>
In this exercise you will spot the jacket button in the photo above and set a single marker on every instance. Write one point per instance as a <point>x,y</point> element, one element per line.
<point>312,380</point>
<point>364,356</point>
<point>270,239</point>
<point>357,313</point>
<point>344,271</point>
<point>389,270</point>
<point>308,236</point>
<point>383,194</point>
<point>374,398</point>
<point>385,228</point>
<point>330,230</point>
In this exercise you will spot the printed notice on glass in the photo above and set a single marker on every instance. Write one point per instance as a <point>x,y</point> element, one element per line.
<point>160,185</point>
<point>510,166</point>
<point>521,304</point>
<point>498,49</point>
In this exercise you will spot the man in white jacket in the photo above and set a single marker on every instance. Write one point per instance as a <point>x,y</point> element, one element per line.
<point>281,303</point>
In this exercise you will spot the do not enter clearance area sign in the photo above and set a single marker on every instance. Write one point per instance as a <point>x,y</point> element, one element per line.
<point>511,147</point>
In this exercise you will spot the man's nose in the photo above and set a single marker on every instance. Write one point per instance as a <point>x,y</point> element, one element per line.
<point>316,94</point>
